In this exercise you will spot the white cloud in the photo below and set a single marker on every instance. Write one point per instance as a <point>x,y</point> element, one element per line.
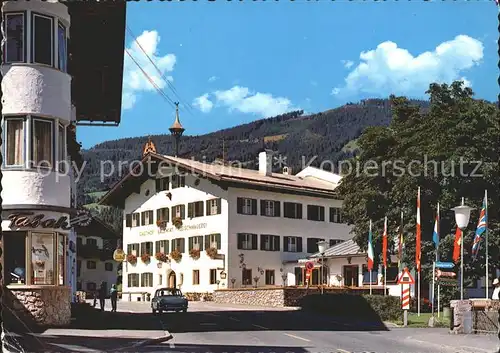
<point>244,100</point>
<point>347,63</point>
<point>392,70</point>
<point>134,81</point>
<point>213,78</point>
<point>203,103</point>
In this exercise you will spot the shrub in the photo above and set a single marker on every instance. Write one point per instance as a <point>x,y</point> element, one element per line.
<point>425,305</point>
<point>353,306</point>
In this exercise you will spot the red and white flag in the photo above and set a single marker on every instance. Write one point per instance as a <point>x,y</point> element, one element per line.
<point>418,251</point>
<point>456,245</point>
<point>384,244</point>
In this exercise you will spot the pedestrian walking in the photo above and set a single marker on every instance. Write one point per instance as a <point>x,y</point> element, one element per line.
<point>114,297</point>
<point>102,295</point>
<point>496,291</point>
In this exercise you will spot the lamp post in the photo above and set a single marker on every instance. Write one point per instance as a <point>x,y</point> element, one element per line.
<point>322,246</point>
<point>462,215</point>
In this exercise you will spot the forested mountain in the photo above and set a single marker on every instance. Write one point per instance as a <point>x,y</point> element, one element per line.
<point>328,136</point>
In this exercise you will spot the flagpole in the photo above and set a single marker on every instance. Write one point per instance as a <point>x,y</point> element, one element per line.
<point>418,256</point>
<point>486,239</point>
<point>433,285</point>
<point>385,255</point>
<point>370,245</point>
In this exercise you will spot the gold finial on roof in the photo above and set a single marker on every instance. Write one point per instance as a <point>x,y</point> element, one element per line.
<point>149,147</point>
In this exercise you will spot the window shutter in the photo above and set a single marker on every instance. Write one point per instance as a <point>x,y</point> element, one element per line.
<point>239,205</point>
<point>254,237</point>
<point>219,208</point>
<point>285,243</point>
<point>262,207</point>
<point>207,241</point>
<point>299,211</point>
<point>262,238</point>
<point>240,241</point>
<point>322,213</point>
<point>200,241</point>
<point>190,210</point>
<point>158,185</point>
<point>167,213</point>
<point>299,244</point>
<point>276,245</point>
<point>254,206</point>
<point>207,206</point>
<point>217,238</point>
<point>183,211</point>
<point>183,245</point>
<point>158,214</point>
<point>128,220</point>
<point>143,218</point>
<point>172,210</point>
<point>277,209</point>
<point>190,241</point>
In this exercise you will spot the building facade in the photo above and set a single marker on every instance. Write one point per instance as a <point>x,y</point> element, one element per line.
<point>41,102</point>
<point>200,226</point>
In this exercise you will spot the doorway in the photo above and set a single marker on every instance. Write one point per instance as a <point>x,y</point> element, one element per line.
<point>351,276</point>
<point>172,283</point>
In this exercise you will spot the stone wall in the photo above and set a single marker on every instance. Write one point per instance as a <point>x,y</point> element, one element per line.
<point>475,316</point>
<point>277,296</point>
<point>45,305</point>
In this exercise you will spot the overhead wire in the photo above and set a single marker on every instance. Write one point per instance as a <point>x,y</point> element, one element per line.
<point>162,75</point>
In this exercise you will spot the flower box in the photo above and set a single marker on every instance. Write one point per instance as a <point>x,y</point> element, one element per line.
<point>212,253</point>
<point>162,257</point>
<point>132,259</point>
<point>146,258</point>
<point>176,255</point>
<point>177,222</point>
<point>194,253</point>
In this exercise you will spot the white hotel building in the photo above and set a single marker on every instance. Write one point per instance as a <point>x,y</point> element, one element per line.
<point>260,222</point>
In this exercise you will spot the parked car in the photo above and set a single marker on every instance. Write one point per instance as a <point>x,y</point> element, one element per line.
<point>168,299</point>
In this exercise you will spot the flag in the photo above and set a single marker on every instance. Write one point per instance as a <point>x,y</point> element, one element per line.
<point>418,234</point>
<point>481,226</point>
<point>456,245</point>
<point>435,234</point>
<point>384,244</point>
<point>370,249</point>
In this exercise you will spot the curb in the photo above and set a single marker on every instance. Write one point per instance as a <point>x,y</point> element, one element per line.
<point>148,342</point>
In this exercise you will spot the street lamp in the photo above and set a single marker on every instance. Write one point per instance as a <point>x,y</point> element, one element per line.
<point>322,246</point>
<point>462,215</point>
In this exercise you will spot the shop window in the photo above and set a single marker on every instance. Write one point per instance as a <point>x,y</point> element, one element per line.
<point>42,41</point>
<point>41,144</point>
<point>62,43</point>
<point>15,48</point>
<point>61,258</point>
<point>14,137</point>
<point>42,258</point>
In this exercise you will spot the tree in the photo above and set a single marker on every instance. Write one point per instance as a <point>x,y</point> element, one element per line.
<point>450,149</point>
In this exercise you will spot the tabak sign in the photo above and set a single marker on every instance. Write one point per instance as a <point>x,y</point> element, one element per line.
<point>30,219</point>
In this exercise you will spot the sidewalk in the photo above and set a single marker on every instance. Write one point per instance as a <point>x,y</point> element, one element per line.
<point>440,337</point>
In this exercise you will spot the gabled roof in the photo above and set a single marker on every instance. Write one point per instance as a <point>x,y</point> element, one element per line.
<point>223,175</point>
<point>346,248</point>
<point>97,228</point>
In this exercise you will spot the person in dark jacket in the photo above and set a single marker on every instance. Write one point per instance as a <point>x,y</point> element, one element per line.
<point>114,297</point>
<point>102,295</point>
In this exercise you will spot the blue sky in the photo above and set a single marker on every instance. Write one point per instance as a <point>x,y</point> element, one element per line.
<point>235,62</point>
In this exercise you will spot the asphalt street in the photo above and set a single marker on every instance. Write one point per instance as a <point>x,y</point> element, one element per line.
<point>209,327</point>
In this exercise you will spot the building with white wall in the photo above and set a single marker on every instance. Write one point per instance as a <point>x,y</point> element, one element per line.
<point>95,265</point>
<point>48,87</point>
<point>252,222</point>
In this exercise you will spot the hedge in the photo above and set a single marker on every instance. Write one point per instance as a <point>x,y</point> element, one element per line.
<point>352,306</point>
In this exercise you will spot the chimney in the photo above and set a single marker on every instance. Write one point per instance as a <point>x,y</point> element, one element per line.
<point>265,163</point>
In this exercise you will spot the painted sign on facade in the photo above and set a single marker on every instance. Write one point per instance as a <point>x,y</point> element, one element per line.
<point>172,229</point>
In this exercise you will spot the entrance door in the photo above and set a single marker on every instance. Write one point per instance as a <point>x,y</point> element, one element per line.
<point>172,283</point>
<point>351,278</point>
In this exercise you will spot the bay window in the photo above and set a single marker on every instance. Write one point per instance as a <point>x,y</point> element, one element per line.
<point>41,144</point>
<point>62,47</point>
<point>15,51</point>
<point>14,142</point>
<point>35,258</point>
<point>42,41</point>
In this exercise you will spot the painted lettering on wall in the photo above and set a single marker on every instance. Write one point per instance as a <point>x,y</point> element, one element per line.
<point>32,220</point>
<point>172,229</point>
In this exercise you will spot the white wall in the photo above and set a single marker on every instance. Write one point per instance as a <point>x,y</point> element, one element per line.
<point>210,225</point>
<point>97,275</point>
<point>273,260</point>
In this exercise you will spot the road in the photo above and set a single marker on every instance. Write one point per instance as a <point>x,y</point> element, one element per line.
<point>215,328</point>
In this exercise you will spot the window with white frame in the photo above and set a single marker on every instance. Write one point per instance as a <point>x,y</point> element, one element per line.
<point>133,249</point>
<point>42,143</point>
<point>136,219</point>
<point>62,47</point>
<point>14,137</point>
<point>213,241</point>
<point>196,243</point>
<point>15,47</point>
<point>162,246</point>
<point>42,39</point>
<point>133,279</point>
<point>292,244</point>
<point>61,148</point>
<point>162,214</point>
<point>213,207</point>
<point>247,241</point>
<point>147,218</point>
<point>335,215</point>
<point>269,208</point>
<point>178,211</point>
<point>247,206</point>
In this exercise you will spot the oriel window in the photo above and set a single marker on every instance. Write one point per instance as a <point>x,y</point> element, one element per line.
<point>16,37</point>
<point>42,39</point>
